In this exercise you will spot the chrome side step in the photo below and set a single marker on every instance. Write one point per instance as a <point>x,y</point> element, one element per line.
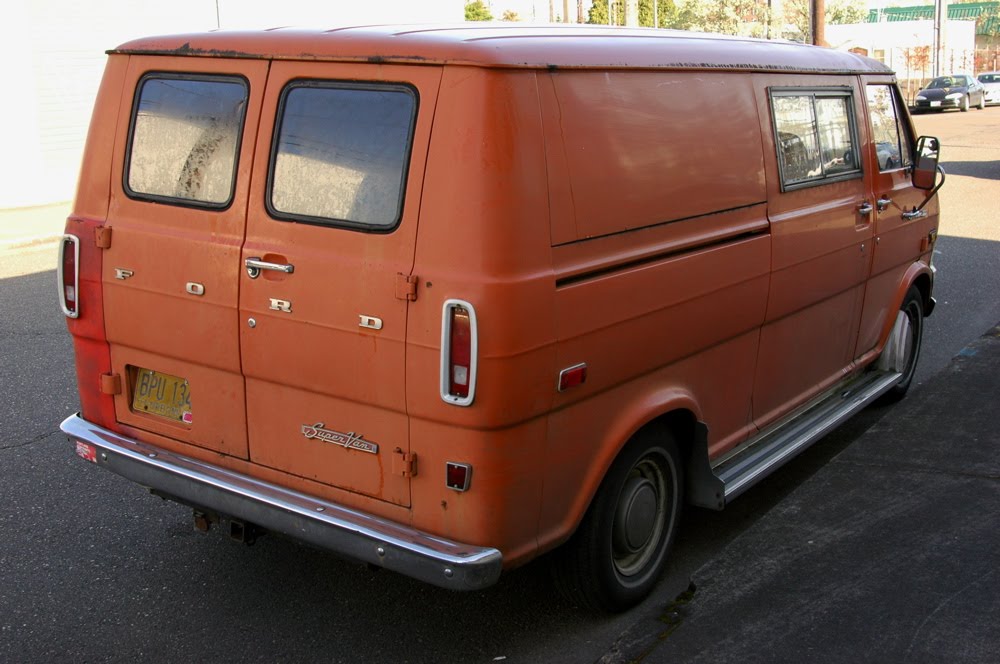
<point>762,455</point>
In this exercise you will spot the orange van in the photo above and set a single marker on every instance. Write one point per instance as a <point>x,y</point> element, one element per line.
<point>441,299</point>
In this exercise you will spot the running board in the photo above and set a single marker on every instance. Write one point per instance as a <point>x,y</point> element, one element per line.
<point>762,455</point>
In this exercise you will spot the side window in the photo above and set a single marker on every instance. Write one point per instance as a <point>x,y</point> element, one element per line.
<point>184,139</point>
<point>815,136</point>
<point>892,142</point>
<point>340,154</point>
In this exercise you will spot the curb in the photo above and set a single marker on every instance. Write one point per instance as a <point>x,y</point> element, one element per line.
<point>28,242</point>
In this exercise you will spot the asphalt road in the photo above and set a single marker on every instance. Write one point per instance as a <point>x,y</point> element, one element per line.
<point>93,569</point>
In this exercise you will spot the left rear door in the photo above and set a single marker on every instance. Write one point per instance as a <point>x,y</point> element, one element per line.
<point>185,140</point>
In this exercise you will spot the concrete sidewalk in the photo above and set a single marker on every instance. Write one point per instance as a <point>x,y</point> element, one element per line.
<point>22,228</point>
<point>890,553</point>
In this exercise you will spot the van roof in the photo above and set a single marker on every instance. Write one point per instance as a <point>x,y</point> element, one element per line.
<point>493,45</point>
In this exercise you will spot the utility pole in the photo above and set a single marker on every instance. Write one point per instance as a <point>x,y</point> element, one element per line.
<point>939,22</point>
<point>579,11</point>
<point>819,22</point>
<point>565,11</point>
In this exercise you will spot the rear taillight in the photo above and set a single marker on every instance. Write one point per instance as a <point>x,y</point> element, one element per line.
<point>68,274</point>
<point>459,348</point>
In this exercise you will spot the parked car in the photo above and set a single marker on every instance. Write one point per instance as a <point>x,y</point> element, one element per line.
<point>888,155</point>
<point>954,91</point>
<point>991,86</point>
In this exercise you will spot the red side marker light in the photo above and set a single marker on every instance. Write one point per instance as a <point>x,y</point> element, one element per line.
<point>572,376</point>
<point>458,476</point>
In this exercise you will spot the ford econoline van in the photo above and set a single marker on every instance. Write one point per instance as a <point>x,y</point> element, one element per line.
<point>441,299</point>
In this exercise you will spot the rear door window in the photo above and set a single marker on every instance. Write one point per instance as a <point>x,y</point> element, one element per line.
<point>815,136</point>
<point>184,139</point>
<point>341,153</point>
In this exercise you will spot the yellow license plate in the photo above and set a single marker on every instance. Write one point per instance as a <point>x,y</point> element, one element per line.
<point>163,395</point>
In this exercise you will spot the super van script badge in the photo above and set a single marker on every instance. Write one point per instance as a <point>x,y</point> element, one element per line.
<point>350,440</point>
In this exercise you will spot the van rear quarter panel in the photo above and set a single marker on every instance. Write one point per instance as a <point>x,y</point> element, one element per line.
<point>484,238</point>
<point>90,211</point>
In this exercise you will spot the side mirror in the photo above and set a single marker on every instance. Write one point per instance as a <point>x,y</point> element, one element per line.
<point>925,167</point>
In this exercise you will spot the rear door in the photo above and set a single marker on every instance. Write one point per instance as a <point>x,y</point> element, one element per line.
<point>330,244</point>
<point>186,135</point>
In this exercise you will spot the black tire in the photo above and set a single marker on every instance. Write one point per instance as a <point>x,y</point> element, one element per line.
<point>618,553</point>
<point>964,106</point>
<point>911,317</point>
<point>982,102</point>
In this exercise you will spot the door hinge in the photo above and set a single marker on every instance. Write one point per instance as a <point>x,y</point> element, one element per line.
<point>406,287</point>
<point>102,237</point>
<point>111,384</point>
<point>404,463</point>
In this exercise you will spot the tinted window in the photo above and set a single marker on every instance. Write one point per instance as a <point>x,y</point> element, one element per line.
<point>341,153</point>
<point>815,136</point>
<point>185,139</point>
<point>892,146</point>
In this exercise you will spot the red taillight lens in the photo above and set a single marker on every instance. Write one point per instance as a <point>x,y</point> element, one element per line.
<point>461,352</point>
<point>69,275</point>
<point>458,353</point>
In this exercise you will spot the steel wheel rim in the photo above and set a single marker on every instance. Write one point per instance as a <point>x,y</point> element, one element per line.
<point>639,527</point>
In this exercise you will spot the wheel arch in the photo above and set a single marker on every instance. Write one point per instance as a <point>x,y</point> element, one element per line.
<point>674,409</point>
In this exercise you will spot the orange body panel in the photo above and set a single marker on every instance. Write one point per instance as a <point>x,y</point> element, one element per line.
<point>591,197</point>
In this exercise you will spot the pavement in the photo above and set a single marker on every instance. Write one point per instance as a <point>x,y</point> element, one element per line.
<point>22,228</point>
<point>889,553</point>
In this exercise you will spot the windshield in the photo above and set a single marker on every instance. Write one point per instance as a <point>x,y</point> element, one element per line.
<point>945,82</point>
<point>989,78</point>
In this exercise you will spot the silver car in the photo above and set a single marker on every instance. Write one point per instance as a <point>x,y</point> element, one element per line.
<point>991,86</point>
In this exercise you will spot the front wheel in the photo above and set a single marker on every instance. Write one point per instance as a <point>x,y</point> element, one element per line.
<point>620,549</point>
<point>982,102</point>
<point>902,350</point>
<point>965,104</point>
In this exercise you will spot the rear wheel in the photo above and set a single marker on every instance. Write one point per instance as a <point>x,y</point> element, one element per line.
<point>902,350</point>
<point>620,549</point>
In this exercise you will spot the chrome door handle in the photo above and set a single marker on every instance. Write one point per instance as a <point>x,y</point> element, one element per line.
<point>915,214</point>
<point>883,203</point>
<point>865,208</point>
<point>254,265</point>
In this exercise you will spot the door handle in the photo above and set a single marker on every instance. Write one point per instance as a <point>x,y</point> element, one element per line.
<point>254,265</point>
<point>865,208</point>
<point>915,214</point>
<point>883,203</point>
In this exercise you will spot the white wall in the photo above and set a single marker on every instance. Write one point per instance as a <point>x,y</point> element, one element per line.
<point>53,55</point>
<point>894,37</point>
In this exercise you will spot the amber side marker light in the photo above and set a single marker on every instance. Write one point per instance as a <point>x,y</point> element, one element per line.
<point>458,476</point>
<point>459,351</point>
<point>68,275</point>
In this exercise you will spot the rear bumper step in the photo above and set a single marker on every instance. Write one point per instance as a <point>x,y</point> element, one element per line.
<point>345,531</point>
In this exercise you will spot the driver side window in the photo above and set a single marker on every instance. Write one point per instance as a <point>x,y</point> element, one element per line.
<point>892,141</point>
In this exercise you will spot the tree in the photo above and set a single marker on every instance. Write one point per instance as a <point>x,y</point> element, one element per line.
<point>476,10</point>
<point>510,15</point>
<point>668,13</point>
<point>797,13</point>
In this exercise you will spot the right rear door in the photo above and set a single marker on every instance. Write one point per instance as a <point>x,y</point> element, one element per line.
<point>333,220</point>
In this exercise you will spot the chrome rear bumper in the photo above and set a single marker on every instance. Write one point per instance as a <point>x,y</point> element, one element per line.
<point>349,532</point>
